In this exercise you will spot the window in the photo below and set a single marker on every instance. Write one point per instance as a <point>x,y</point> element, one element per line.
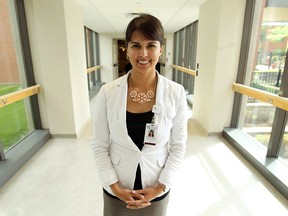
<point>92,53</point>
<point>21,133</point>
<point>15,119</point>
<point>185,41</point>
<point>265,69</point>
<point>258,129</point>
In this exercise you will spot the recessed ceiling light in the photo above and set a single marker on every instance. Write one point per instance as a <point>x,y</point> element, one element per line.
<point>135,14</point>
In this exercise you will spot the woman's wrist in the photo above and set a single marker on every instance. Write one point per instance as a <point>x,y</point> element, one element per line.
<point>161,188</point>
<point>115,188</point>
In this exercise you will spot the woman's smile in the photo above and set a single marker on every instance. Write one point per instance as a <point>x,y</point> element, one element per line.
<point>143,62</point>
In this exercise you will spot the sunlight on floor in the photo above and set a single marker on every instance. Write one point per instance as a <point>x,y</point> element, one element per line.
<point>214,180</point>
<point>218,183</point>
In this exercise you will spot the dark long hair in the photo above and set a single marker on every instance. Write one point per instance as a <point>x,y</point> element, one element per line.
<point>148,26</point>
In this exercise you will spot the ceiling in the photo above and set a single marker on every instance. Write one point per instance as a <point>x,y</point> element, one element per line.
<point>112,16</point>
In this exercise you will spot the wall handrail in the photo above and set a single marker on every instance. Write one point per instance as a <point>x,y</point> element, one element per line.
<point>185,70</point>
<point>94,68</point>
<point>261,95</point>
<point>18,95</point>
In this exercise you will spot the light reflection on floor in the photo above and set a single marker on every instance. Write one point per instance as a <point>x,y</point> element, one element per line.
<point>214,180</point>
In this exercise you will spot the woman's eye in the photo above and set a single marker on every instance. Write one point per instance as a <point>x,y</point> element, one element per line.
<point>135,46</point>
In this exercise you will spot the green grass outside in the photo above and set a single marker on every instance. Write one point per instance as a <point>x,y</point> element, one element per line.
<point>264,139</point>
<point>13,120</point>
<point>5,89</point>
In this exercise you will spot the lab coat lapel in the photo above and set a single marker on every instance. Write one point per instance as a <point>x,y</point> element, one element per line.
<point>160,97</point>
<point>121,108</point>
<point>159,109</point>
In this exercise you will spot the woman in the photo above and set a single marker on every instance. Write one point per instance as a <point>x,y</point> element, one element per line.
<point>136,170</point>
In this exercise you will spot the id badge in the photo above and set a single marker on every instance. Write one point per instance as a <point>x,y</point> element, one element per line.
<point>150,134</point>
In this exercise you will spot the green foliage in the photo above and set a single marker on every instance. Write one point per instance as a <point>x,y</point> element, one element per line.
<point>263,138</point>
<point>13,120</point>
<point>278,33</point>
<point>279,52</point>
<point>265,87</point>
<point>5,89</point>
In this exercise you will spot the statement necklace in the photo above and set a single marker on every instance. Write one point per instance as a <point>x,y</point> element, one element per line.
<point>141,97</point>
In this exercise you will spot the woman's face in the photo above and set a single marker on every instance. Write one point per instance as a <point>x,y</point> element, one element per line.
<point>143,54</point>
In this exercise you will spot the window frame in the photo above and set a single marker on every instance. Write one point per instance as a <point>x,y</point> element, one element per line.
<point>263,160</point>
<point>17,156</point>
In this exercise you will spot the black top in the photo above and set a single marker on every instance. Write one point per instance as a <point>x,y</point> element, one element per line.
<point>136,123</point>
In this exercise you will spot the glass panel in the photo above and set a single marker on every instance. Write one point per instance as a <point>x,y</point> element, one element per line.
<point>186,57</point>
<point>91,42</point>
<point>283,155</point>
<point>175,54</point>
<point>15,119</point>
<point>265,67</point>
<point>15,123</point>
<point>180,54</point>
<point>96,56</point>
<point>257,120</point>
<point>87,40</point>
<point>185,41</point>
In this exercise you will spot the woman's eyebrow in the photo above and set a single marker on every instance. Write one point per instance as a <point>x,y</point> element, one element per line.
<point>152,42</point>
<point>134,42</point>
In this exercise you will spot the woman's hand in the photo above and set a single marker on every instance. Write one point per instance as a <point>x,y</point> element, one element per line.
<point>126,195</point>
<point>139,201</point>
<point>148,195</point>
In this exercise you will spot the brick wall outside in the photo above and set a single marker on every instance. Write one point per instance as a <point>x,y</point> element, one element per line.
<point>8,64</point>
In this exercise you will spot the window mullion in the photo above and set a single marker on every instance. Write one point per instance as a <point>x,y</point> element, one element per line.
<point>280,118</point>
<point>24,36</point>
<point>277,133</point>
<point>244,53</point>
<point>2,155</point>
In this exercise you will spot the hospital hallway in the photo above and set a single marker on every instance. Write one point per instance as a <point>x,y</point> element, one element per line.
<point>61,180</point>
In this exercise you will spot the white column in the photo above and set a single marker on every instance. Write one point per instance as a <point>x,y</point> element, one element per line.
<point>56,34</point>
<point>218,49</point>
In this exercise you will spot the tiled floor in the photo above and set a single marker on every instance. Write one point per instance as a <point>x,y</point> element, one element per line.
<point>60,180</point>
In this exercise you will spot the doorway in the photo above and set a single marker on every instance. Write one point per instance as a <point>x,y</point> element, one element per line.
<point>123,62</point>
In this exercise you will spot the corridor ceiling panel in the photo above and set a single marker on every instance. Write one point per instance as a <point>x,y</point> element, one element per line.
<point>112,16</point>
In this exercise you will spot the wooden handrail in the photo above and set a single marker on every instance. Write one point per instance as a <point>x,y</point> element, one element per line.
<point>266,97</point>
<point>91,69</point>
<point>18,95</point>
<point>185,70</point>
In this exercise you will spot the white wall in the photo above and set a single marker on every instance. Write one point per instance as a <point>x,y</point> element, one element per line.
<point>57,44</point>
<point>77,64</point>
<point>218,48</point>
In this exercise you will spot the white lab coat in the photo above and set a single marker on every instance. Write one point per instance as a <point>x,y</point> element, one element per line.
<point>117,157</point>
